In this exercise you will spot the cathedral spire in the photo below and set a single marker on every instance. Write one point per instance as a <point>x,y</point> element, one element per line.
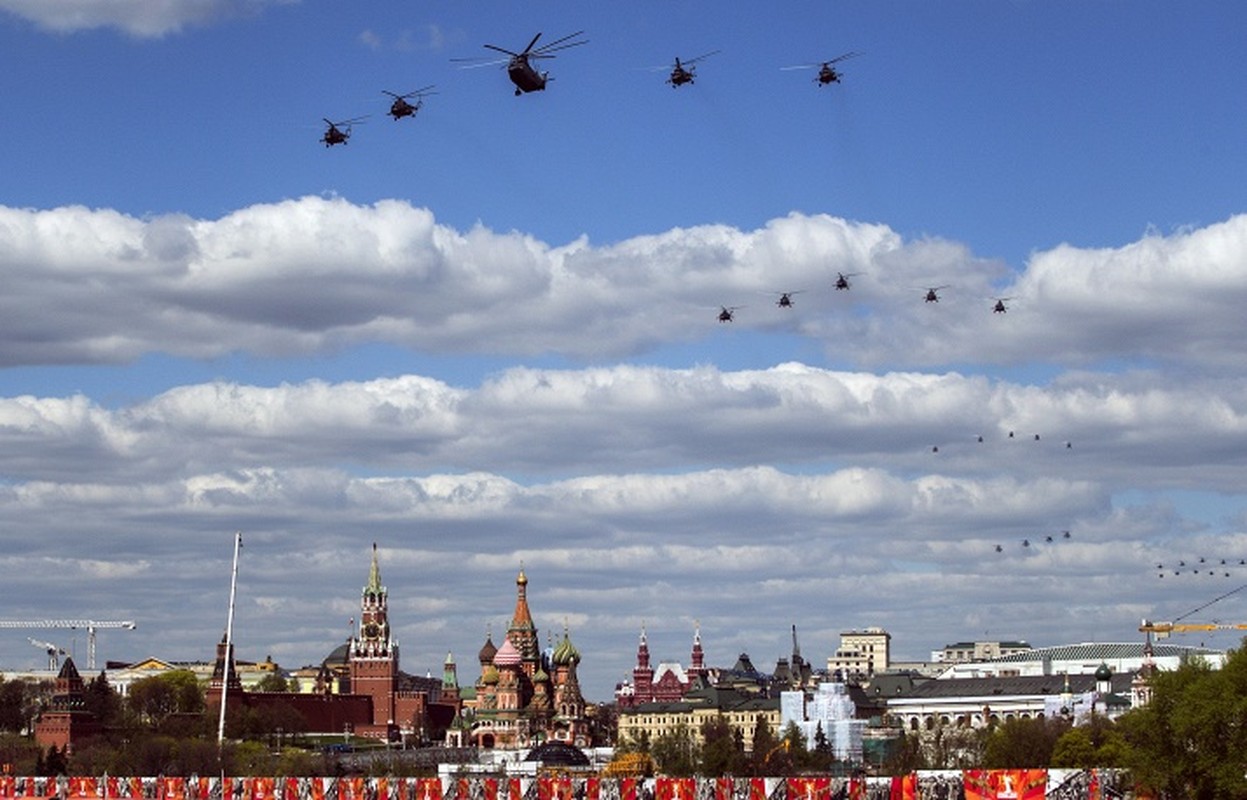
<point>523,632</point>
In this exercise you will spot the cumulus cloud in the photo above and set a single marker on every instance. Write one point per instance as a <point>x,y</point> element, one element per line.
<point>140,18</point>
<point>676,494</point>
<point>314,274</point>
<point>1114,429</point>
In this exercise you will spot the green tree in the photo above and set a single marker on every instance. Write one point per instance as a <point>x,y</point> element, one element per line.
<point>54,762</point>
<point>793,756</point>
<point>763,746</point>
<point>101,700</point>
<point>821,755</point>
<point>721,753</point>
<point>1095,743</point>
<point>676,753</point>
<point>907,756</point>
<point>154,699</point>
<point>1023,743</point>
<point>272,682</point>
<point>1190,741</point>
<point>13,716</point>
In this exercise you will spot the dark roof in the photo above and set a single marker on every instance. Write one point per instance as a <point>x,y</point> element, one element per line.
<point>338,655</point>
<point>559,754</point>
<point>718,697</point>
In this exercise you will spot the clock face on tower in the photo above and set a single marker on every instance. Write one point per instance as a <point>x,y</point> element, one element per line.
<point>372,630</point>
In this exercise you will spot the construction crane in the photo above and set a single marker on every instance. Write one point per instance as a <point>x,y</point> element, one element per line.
<point>54,652</point>
<point>1164,629</point>
<point>90,625</point>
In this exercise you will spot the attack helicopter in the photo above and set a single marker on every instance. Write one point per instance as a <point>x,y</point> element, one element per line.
<point>519,65</point>
<point>686,71</point>
<point>826,70</point>
<point>842,280</point>
<point>932,295</point>
<point>726,313</point>
<point>1000,307</point>
<point>785,299</point>
<point>402,108</point>
<point>339,132</point>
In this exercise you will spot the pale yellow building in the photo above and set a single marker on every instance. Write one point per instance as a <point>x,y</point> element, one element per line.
<point>861,653</point>
<point>741,711</point>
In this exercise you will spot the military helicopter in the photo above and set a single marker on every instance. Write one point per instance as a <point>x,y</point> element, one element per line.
<point>401,108</point>
<point>339,132</point>
<point>685,72</point>
<point>1000,307</point>
<point>726,313</point>
<point>826,70</point>
<point>842,280</point>
<point>519,66</point>
<point>785,299</point>
<point>932,295</point>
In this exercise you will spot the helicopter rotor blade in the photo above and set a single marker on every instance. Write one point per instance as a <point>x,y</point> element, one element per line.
<point>511,53</point>
<point>524,52</point>
<point>560,44</point>
<point>800,66</point>
<point>475,63</point>
<point>839,58</point>
<point>700,57</point>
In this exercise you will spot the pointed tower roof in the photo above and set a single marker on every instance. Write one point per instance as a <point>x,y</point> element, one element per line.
<point>523,618</point>
<point>450,677</point>
<point>374,573</point>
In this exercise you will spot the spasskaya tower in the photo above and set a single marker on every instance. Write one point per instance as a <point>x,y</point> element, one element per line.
<point>374,653</point>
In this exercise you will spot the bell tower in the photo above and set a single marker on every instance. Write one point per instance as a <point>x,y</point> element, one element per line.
<point>373,652</point>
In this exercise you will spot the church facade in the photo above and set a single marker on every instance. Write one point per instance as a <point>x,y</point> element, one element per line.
<point>525,696</point>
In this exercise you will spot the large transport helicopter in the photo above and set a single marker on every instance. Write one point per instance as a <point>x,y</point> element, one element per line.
<point>402,105</point>
<point>686,71</point>
<point>827,72</point>
<point>519,65</point>
<point>339,132</point>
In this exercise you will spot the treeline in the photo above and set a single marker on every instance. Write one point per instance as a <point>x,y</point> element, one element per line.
<point>161,727</point>
<point>1190,741</point>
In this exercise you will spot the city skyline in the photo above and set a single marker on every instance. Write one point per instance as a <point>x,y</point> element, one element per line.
<point>487,337</point>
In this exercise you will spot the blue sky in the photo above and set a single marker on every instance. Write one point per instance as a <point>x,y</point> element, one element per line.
<point>487,336</point>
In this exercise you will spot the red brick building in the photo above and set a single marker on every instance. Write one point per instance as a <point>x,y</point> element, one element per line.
<point>666,684</point>
<point>374,698</point>
<point>67,720</point>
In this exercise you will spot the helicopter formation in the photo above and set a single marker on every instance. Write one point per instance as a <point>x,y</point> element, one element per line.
<point>1050,538</point>
<point>1213,568</point>
<point>842,283</point>
<point>404,105</point>
<point>526,78</point>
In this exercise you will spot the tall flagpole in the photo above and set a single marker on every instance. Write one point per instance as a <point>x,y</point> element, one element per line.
<point>229,640</point>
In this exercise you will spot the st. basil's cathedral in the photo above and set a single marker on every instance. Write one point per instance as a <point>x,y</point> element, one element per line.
<point>525,696</point>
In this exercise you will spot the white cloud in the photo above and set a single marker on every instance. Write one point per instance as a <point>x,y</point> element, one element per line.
<point>141,18</point>
<point>314,274</point>
<point>1118,430</point>
<point>628,491</point>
